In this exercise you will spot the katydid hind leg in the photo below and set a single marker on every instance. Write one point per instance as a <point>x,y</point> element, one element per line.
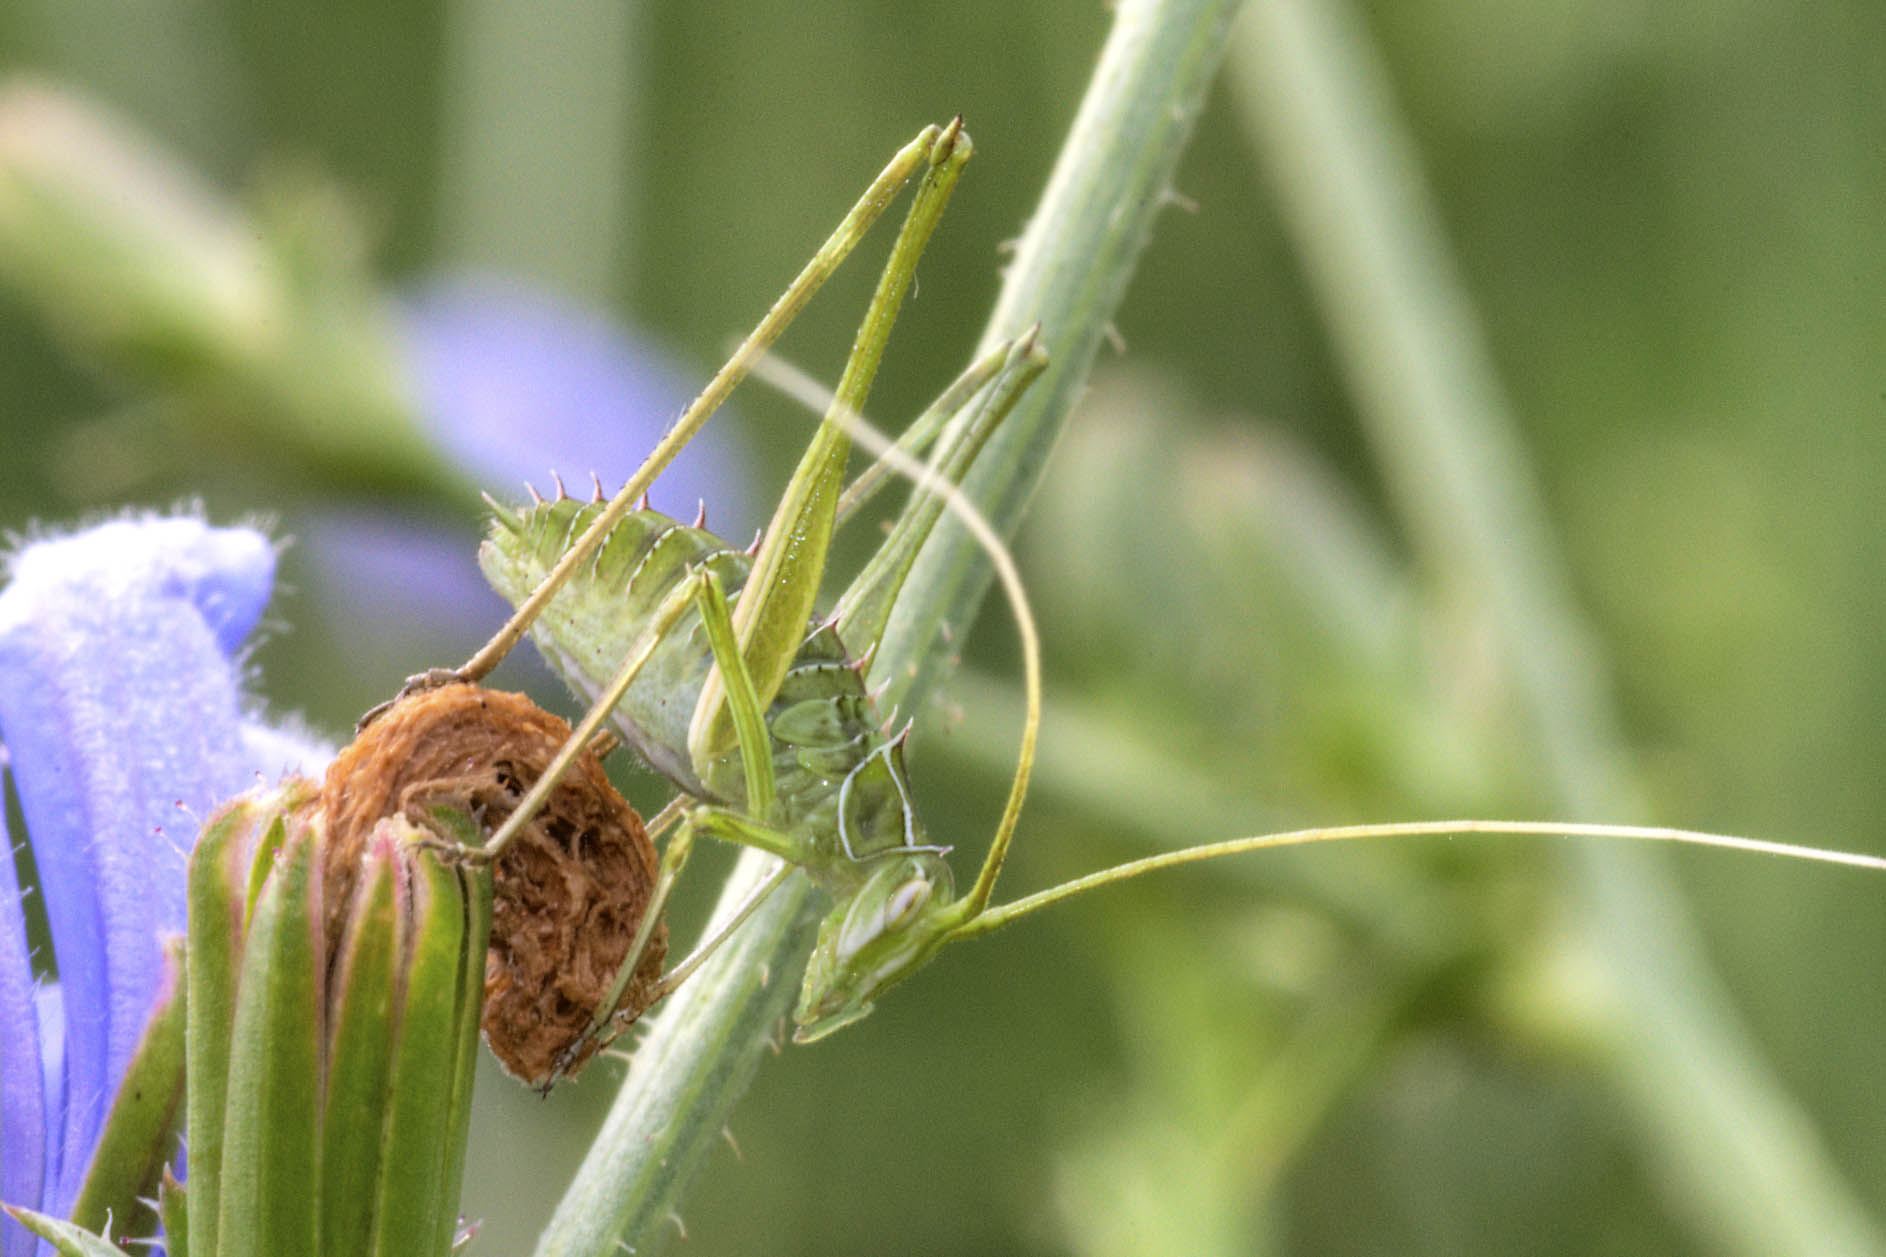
<point>605,1022</point>
<point>773,609</point>
<point>912,158</point>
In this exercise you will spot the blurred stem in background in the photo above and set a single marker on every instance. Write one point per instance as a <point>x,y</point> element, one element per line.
<point>536,175</point>
<point>262,330</point>
<point>1070,271</point>
<point>1742,1163</point>
<point>173,66</point>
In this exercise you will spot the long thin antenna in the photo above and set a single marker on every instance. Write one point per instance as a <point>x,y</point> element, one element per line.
<point>996,918</point>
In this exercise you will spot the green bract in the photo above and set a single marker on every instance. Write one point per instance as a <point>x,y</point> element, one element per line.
<point>297,1041</point>
<point>328,1079</point>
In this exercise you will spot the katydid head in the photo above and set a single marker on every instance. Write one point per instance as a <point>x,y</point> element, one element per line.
<point>906,910</point>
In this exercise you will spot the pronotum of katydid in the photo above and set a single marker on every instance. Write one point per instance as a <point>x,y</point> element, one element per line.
<point>707,660</point>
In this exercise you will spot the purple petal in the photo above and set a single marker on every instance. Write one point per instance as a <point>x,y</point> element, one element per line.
<point>515,384</point>
<point>22,1071</point>
<point>414,581</point>
<point>121,712</point>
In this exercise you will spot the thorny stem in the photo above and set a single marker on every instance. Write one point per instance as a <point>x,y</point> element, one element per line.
<point>1069,274</point>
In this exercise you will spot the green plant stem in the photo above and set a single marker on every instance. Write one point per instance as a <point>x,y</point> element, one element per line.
<point>1742,1162</point>
<point>685,1078</point>
<point>1069,274</point>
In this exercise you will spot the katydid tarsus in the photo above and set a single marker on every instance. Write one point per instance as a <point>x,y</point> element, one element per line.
<point>699,656</point>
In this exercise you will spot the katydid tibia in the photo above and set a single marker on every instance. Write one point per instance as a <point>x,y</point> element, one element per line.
<point>707,660</point>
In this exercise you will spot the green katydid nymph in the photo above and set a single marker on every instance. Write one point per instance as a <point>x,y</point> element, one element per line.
<point>707,659</point>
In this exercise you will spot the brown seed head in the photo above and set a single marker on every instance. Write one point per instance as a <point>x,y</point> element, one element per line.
<point>568,894</point>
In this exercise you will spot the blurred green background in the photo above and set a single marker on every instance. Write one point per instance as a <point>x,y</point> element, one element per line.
<point>1668,219</point>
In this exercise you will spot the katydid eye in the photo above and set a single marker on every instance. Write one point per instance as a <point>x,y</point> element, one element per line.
<point>905,902</point>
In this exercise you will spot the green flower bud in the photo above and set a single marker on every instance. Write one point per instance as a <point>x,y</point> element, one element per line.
<point>332,1035</point>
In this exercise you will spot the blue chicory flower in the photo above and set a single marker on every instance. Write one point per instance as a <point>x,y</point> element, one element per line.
<point>123,723</point>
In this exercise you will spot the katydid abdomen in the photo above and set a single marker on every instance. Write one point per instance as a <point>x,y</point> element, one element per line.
<point>839,782</point>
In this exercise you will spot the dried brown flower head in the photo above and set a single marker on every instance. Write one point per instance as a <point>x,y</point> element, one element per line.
<point>568,894</point>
